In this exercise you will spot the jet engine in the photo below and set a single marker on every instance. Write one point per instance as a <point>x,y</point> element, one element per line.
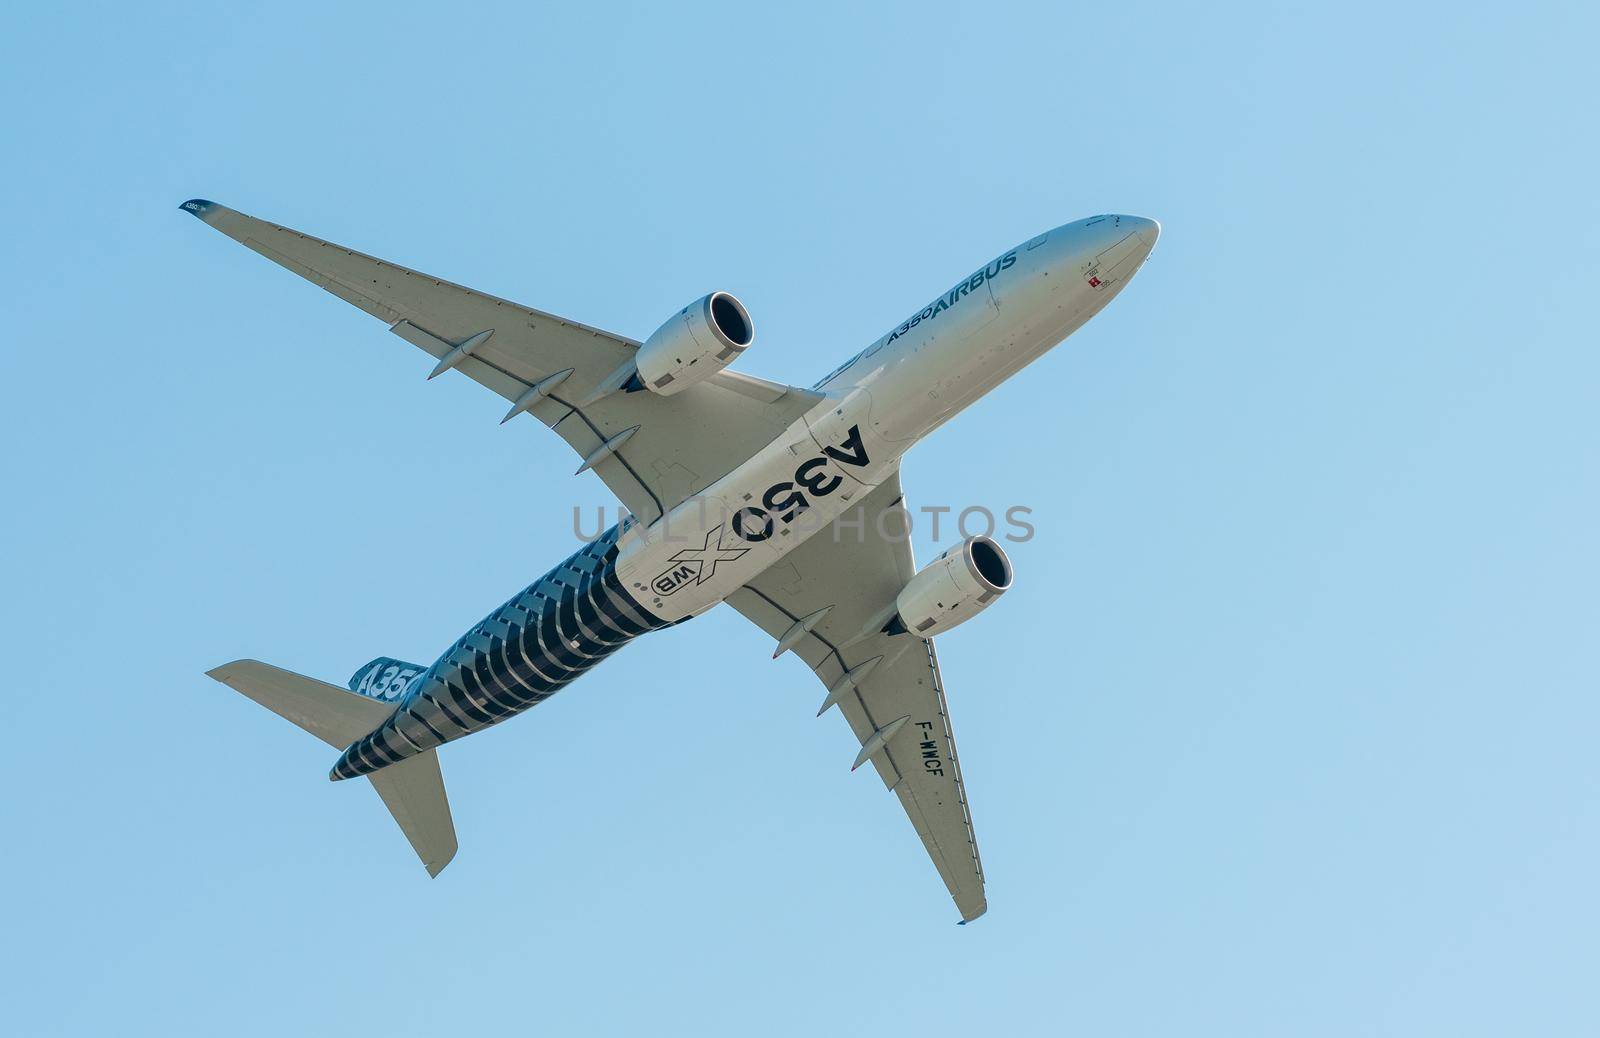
<point>696,343</point>
<point>952,589</point>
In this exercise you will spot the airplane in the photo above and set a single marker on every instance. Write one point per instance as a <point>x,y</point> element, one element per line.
<point>783,502</point>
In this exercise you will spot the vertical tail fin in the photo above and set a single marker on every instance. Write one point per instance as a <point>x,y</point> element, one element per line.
<point>385,678</point>
<point>413,790</point>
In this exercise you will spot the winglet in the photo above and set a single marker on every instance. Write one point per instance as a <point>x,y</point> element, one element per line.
<point>203,209</point>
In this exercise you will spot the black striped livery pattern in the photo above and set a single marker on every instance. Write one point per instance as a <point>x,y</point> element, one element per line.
<point>519,655</point>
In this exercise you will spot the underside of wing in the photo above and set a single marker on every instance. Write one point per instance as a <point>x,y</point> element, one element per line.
<point>887,686</point>
<point>651,451</point>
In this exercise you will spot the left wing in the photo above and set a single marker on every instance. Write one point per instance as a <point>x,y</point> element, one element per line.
<point>665,448</point>
<point>887,686</point>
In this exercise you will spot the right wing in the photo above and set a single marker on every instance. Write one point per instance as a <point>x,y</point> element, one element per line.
<point>680,444</point>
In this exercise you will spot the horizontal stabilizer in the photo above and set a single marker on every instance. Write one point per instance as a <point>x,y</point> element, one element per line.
<point>413,789</point>
<point>335,715</point>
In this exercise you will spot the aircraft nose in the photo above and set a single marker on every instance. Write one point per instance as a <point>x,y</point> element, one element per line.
<point>1108,250</point>
<point>1147,229</point>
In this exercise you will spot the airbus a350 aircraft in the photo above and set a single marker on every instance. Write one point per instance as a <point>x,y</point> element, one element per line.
<point>783,502</point>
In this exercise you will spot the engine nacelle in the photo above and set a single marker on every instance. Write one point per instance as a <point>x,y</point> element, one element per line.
<point>696,343</point>
<point>953,588</point>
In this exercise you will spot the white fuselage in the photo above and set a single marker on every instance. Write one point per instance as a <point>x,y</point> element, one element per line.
<point>635,578</point>
<point>877,405</point>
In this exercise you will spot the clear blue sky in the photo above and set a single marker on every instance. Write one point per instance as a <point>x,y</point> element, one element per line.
<point>1289,726</point>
